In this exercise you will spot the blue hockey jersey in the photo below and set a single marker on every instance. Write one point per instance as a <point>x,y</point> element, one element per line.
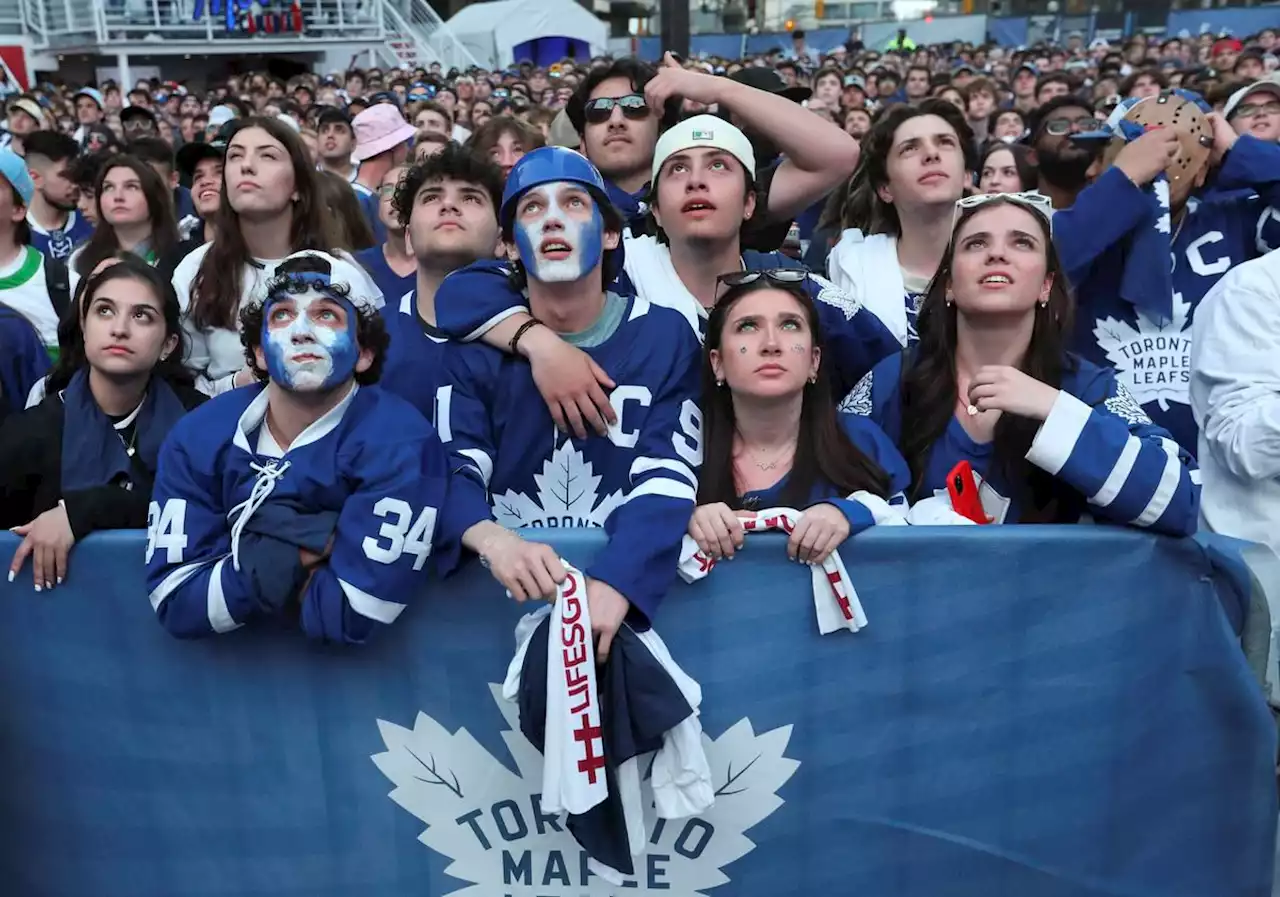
<point>414,366</point>
<point>1108,457</point>
<point>369,478</point>
<point>855,340</point>
<point>876,445</point>
<point>639,483</point>
<point>393,286</point>
<point>1222,227</point>
<point>59,244</point>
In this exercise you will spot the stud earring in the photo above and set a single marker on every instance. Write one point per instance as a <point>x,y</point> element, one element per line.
<point>813,378</point>
<point>720,383</point>
<point>950,299</point>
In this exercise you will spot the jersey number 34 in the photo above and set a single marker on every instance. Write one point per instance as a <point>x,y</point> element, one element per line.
<point>402,532</point>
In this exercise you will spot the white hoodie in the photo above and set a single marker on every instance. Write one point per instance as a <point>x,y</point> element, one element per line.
<point>866,267</point>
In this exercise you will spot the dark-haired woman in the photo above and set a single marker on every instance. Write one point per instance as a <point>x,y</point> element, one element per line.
<point>772,436</point>
<point>84,459</point>
<point>897,216</point>
<point>1049,437</point>
<point>1006,168</point>
<point>270,208</point>
<point>135,214</point>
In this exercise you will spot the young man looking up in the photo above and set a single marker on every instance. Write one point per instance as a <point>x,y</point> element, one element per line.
<point>56,228</point>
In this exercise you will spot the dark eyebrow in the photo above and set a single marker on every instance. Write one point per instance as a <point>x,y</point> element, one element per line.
<point>1029,236</point>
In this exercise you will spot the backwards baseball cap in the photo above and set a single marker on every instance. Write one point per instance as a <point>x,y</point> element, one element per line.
<point>335,276</point>
<point>220,115</point>
<point>30,107</point>
<point>91,93</point>
<point>855,81</point>
<point>1269,84</point>
<point>707,131</point>
<point>14,170</point>
<point>767,79</point>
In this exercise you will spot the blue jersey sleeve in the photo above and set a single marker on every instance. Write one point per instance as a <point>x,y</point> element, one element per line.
<point>197,586</point>
<point>473,300</point>
<point>856,340</point>
<point>646,532</point>
<point>1130,470</point>
<point>1102,215</point>
<point>397,523</point>
<point>1254,164</point>
<point>865,509</point>
<point>465,422</point>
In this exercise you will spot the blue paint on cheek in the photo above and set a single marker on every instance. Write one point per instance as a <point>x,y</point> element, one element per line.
<point>592,237</point>
<point>274,351</point>
<point>524,245</point>
<point>344,353</point>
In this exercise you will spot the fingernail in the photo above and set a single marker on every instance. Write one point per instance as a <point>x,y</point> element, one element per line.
<point>13,574</point>
<point>37,587</point>
<point>49,586</point>
<point>59,580</point>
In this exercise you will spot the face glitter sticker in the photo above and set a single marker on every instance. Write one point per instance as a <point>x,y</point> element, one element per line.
<point>557,240</point>
<point>307,347</point>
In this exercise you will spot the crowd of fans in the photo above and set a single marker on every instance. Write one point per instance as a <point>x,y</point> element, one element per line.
<point>314,334</point>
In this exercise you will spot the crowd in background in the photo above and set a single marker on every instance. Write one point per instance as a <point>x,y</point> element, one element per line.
<point>905,284</point>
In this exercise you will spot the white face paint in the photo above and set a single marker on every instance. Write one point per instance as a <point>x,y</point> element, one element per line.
<point>559,232</point>
<point>308,345</point>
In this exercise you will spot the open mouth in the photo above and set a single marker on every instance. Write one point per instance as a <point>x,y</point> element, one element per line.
<point>698,206</point>
<point>996,280</point>
<point>555,249</point>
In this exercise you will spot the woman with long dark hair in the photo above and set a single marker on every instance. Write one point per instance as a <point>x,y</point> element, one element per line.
<point>990,400</point>
<point>1006,168</point>
<point>771,434</point>
<point>270,208</point>
<point>896,214</point>
<point>84,459</point>
<point>134,213</point>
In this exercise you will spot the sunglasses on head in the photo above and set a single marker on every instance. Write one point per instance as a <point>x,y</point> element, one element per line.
<point>1032,200</point>
<point>632,105</point>
<point>782,277</point>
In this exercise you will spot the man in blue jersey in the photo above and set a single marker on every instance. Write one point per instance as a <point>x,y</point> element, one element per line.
<point>314,496</point>
<point>56,227</point>
<point>703,192</point>
<point>639,481</point>
<point>448,211</point>
<point>1205,202</point>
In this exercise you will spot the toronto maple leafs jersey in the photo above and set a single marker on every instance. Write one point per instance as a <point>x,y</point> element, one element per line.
<point>1112,461</point>
<point>855,340</point>
<point>1220,229</point>
<point>414,366</point>
<point>639,483</point>
<point>368,484</point>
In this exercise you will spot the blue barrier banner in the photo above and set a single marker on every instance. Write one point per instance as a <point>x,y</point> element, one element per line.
<point>1031,712</point>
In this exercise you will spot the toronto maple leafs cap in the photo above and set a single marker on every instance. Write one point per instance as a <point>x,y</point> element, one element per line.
<point>706,131</point>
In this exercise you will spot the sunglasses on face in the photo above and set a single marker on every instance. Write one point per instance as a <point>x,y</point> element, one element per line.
<point>1056,127</point>
<point>782,277</point>
<point>632,105</point>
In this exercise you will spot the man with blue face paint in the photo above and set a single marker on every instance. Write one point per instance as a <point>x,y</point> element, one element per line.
<point>638,482</point>
<point>314,495</point>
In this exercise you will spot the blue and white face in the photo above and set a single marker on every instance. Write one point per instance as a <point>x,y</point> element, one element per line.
<point>559,232</point>
<point>309,341</point>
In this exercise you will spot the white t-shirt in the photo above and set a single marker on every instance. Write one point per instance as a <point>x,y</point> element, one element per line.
<point>216,355</point>
<point>23,288</point>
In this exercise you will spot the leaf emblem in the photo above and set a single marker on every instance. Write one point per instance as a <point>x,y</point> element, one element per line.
<point>568,490</point>
<point>453,785</point>
<point>1151,357</point>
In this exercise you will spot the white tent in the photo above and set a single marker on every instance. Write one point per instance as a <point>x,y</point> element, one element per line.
<point>491,31</point>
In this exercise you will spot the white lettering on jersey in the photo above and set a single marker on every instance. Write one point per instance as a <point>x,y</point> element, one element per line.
<point>167,529</point>
<point>1152,359</point>
<point>1198,264</point>
<point>403,533</point>
<point>618,434</point>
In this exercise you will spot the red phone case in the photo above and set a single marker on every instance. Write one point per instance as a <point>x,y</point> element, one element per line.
<point>963,489</point>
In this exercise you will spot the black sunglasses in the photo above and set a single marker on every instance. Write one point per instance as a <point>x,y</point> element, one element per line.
<point>782,277</point>
<point>633,107</point>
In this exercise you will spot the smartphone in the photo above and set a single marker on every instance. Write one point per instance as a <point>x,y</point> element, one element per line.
<point>963,489</point>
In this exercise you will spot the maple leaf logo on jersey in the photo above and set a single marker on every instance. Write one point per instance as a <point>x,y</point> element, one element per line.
<point>567,495</point>
<point>472,803</point>
<point>1153,359</point>
<point>831,294</point>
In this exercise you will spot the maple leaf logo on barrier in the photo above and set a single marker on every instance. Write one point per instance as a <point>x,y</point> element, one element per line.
<point>489,822</point>
<point>1152,358</point>
<point>568,490</point>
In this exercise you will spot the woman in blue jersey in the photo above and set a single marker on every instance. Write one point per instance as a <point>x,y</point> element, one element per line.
<point>771,434</point>
<point>1049,437</point>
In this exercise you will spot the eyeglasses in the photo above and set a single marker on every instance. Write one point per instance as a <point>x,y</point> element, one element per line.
<point>1249,110</point>
<point>783,277</point>
<point>1056,127</point>
<point>1029,199</point>
<point>633,107</point>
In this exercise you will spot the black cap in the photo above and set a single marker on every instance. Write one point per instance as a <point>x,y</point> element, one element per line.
<point>137,112</point>
<point>192,154</point>
<point>768,80</point>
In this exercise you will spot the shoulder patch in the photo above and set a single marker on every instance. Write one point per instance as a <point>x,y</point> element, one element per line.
<point>858,401</point>
<point>1123,405</point>
<point>832,295</point>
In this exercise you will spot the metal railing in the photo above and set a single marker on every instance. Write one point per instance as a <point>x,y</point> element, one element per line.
<point>416,22</point>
